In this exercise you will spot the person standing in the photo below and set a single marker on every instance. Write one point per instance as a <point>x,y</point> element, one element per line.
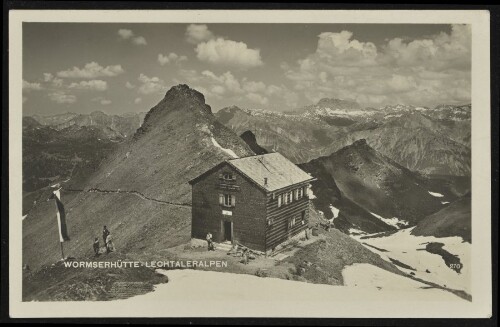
<point>109,244</point>
<point>210,244</point>
<point>105,233</point>
<point>96,246</point>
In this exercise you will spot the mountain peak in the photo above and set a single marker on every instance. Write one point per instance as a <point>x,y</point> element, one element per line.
<point>183,91</point>
<point>338,103</point>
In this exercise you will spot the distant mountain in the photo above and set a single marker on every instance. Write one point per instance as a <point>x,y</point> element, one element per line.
<point>430,141</point>
<point>124,125</point>
<point>51,156</point>
<point>140,191</point>
<point>417,142</point>
<point>372,192</point>
<point>453,220</point>
<point>296,137</point>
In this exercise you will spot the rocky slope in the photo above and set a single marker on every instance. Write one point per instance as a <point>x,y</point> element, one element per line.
<point>372,192</point>
<point>453,220</point>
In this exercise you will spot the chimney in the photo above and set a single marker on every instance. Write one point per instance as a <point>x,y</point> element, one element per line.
<point>265,181</point>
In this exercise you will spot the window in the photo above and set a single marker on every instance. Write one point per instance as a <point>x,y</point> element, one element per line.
<point>280,200</point>
<point>292,222</point>
<point>300,193</point>
<point>228,176</point>
<point>289,197</point>
<point>227,200</point>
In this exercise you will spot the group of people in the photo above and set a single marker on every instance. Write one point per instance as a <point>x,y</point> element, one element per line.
<point>107,239</point>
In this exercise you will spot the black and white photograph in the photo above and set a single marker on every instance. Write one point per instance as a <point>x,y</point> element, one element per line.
<point>311,165</point>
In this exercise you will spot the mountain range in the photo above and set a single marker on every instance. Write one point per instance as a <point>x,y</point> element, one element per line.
<point>137,185</point>
<point>431,141</point>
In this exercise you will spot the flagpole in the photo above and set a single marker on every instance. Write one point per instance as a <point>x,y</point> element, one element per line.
<point>62,250</point>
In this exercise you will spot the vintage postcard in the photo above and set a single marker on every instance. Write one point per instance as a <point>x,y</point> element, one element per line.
<point>249,163</point>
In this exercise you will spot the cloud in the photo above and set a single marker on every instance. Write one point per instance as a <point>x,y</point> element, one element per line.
<point>150,85</point>
<point>62,97</point>
<point>27,86</point>
<point>129,85</point>
<point>126,34</point>
<point>229,88</point>
<point>257,98</point>
<point>92,70</point>
<point>170,58</point>
<point>198,33</point>
<point>137,100</point>
<point>228,53</point>
<point>94,85</point>
<point>102,101</point>
<point>422,71</point>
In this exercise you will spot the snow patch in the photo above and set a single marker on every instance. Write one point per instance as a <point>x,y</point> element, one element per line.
<point>241,294</point>
<point>391,221</point>
<point>335,211</point>
<point>228,151</point>
<point>435,194</point>
<point>444,202</point>
<point>355,231</point>
<point>311,194</point>
<point>24,217</point>
<point>410,250</point>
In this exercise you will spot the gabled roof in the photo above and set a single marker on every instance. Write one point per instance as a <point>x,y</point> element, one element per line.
<point>279,171</point>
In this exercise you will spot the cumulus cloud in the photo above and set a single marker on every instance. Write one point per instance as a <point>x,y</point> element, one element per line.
<point>137,100</point>
<point>61,97</point>
<point>92,70</point>
<point>257,98</point>
<point>150,85</point>
<point>196,33</point>
<point>228,53</point>
<point>129,85</point>
<point>94,85</point>
<point>126,34</point>
<point>423,71</point>
<point>28,86</point>
<point>170,58</point>
<point>229,88</point>
<point>103,101</point>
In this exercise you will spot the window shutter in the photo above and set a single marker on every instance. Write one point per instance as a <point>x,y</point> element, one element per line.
<point>279,200</point>
<point>233,200</point>
<point>221,198</point>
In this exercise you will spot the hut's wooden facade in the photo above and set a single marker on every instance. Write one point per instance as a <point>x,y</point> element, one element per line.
<point>259,201</point>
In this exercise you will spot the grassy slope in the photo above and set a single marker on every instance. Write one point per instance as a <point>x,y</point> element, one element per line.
<point>173,147</point>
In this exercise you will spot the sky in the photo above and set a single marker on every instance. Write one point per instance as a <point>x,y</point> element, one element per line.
<point>119,68</point>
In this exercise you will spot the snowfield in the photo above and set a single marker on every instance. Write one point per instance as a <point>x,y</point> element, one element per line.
<point>335,211</point>
<point>228,151</point>
<point>195,292</point>
<point>410,250</point>
<point>391,221</point>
